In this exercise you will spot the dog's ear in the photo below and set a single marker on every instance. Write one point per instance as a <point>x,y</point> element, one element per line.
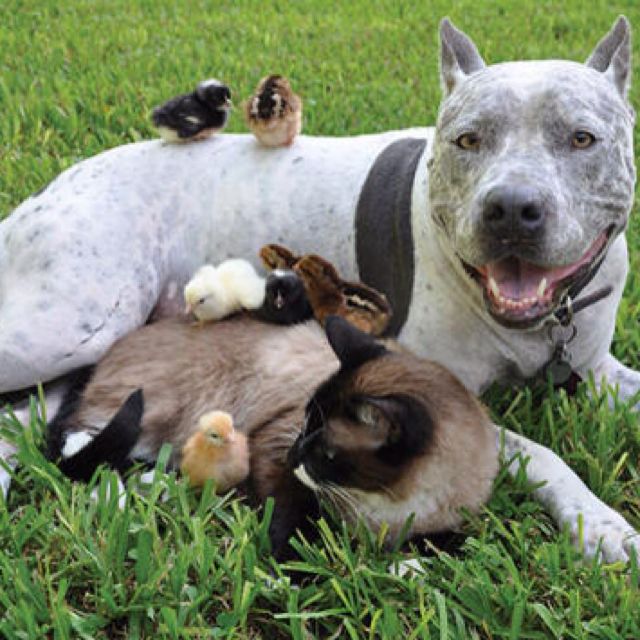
<point>612,55</point>
<point>458,56</point>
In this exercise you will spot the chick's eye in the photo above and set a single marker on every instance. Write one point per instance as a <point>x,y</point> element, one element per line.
<point>468,141</point>
<point>201,300</point>
<point>582,139</point>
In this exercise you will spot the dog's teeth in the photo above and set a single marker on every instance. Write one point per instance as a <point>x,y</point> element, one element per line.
<point>515,304</point>
<point>495,289</point>
<point>542,287</point>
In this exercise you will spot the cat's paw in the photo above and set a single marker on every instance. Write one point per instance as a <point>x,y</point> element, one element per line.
<point>97,497</point>
<point>598,529</point>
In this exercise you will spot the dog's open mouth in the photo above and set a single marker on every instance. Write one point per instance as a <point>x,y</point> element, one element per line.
<point>519,294</point>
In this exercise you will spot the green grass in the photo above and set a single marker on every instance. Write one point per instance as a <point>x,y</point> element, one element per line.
<point>80,77</point>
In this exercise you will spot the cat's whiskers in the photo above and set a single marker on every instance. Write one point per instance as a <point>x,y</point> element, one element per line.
<point>342,498</point>
<point>328,496</point>
<point>389,492</point>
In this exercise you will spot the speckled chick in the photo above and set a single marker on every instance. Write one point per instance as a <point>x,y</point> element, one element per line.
<point>274,112</point>
<point>196,115</point>
<point>329,295</point>
<point>216,451</point>
<point>217,292</point>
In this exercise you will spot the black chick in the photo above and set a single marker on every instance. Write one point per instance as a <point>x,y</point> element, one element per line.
<point>196,115</point>
<point>285,300</point>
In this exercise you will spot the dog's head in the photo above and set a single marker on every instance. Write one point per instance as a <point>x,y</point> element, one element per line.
<point>532,174</point>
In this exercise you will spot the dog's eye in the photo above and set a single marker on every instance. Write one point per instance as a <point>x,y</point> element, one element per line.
<point>582,139</point>
<point>468,141</point>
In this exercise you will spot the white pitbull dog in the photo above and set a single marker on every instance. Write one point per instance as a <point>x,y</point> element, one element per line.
<point>477,231</point>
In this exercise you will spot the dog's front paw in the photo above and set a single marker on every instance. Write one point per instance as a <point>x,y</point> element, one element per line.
<point>5,483</point>
<point>8,462</point>
<point>598,529</point>
<point>410,568</point>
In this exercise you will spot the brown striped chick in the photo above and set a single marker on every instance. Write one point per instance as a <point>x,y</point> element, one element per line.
<point>329,295</point>
<point>216,451</point>
<point>275,256</point>
<point>274,113</point>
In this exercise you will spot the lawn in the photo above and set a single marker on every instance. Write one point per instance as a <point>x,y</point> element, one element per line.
<point>80,77</point>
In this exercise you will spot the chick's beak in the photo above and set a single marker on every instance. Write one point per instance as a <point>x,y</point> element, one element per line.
<point>188,309</point>
<point>279,300</point>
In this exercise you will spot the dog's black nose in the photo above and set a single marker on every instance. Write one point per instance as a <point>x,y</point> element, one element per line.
<point>514,212</point>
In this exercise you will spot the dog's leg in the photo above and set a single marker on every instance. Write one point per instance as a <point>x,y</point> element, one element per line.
<point>77,272</point>
<point>43,337</point>
<point>627,381</point>
<point>567,498</point>
<point>54,394</point>
<point>7,455</point>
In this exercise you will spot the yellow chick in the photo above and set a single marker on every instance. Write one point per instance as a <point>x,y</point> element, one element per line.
<point>274,113</point>
<point>217,292</point>
<point>216,451</point>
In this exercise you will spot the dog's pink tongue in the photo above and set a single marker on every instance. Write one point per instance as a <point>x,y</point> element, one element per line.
<point>516,279</point>
<point>519,280</point>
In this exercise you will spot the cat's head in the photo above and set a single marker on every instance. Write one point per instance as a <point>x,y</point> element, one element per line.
<point>384,436</point>
<point>365,423</point>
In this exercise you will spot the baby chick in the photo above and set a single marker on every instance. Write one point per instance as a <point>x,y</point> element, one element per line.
<point>196,115</point>
<point>275,256</point>
<point>329,295</point>
<point>285,300</point>
<point>216,451</point>
<point>274,113</point>
<point>216,292</point>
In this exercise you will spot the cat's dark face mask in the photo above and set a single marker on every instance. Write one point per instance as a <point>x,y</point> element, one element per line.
<point>353,438</point>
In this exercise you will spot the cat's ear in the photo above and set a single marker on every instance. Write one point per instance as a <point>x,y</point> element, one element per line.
<point>401,421</point>
<point>383,418</point>
<point>352,346</point>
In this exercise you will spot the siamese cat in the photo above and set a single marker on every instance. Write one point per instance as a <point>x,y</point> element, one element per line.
<point>377,431</point>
